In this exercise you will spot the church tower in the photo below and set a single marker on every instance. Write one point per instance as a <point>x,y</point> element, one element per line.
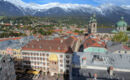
<point>92,24</point>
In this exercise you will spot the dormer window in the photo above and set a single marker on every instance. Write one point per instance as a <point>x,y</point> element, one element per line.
<point>125,52</point>
<point>58,48</point>
<point>97,58</point>
<point>26,46</point>
<point>32,46</point>
<point>84,60</point>
<point>40,47</point>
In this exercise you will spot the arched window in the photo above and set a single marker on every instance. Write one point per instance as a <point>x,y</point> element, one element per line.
<point>94,25</point>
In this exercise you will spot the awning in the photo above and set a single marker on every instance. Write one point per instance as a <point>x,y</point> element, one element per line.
<point>20,71</point>
<point>33,72</point>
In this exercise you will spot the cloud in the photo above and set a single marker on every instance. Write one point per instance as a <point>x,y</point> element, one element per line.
<point>116,2</point>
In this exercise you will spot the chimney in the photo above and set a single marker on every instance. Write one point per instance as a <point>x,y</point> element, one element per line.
<point>95,76</point>
<point>37,40</point>
<point>40,46</point>
<point>26,46</point>
<point>61,41</point>
<point>32,46</point>
<point>58,48</point>
<point>111,71</point>
<point>50,48</point>
<point>84,60</point>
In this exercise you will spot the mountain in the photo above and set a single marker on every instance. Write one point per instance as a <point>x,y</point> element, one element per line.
<point>8,9</point>
<point>108,13</point>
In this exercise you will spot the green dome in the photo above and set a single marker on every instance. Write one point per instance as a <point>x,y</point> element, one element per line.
<point>114,31</point>
<point>121,23</point>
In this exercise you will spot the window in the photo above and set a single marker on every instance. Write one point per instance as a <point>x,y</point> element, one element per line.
<point>54,62</point>
<point>47,54</point>
<point>61,65</point>
<point>67,71</point>
<point>67,61</point>
<point>94,25</point>
<point>44,64</point>
<point>4,61</point>
<point>61,56</point>
<point>61,61</point>
<point>61,71</point>
<point>40,58</point>
<point>67,65</point>
<point>47,64</point>
<point>67,56</point>
<point>43,59</point>
<point>43,54</point>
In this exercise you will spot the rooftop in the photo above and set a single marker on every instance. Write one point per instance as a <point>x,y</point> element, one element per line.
<point>105,30</point>
<point>15,43</point>
<point>114,46</point>
<point>51,45</point>
<point>102,60</point>
<point>5,39</point>
<point>121,23</point>
<point>1,56</point>
<point>88,74</point>
<point>92,41</point>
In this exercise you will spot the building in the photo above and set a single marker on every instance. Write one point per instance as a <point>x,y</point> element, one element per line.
<point>118,48</point>
<point>12,47</point>
<point>7,71</point>
<point>93,44</point>
<point>51,56</point>
<point>92,27</point>
<point>100,66</point>
<point>120,26</point>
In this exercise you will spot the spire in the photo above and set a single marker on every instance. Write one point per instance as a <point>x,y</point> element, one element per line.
<point>122,18</point>
<point>94,15</point>
<point>93,18</point>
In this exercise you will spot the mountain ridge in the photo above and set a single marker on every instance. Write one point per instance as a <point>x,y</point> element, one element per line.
<point>105,13</point>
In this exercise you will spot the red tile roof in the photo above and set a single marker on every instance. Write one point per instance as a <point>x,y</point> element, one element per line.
<point>57,30</point>
<point>55,45</point>
<point>7,24</point>
<point>5,39</point>
<point>93,42</point>
<point>126,47</point>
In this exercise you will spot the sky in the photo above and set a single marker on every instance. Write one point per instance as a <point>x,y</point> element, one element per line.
<point>90,2</point>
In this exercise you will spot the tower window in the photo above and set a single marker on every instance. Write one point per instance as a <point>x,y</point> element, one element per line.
<point>94,25</point>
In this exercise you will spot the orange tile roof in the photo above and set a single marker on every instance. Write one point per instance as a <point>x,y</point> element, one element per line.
<point>93,42</point>
<point>7,24</point>
<point>5,39</point>
<point>55,45</point>
<point>70,32</point>
<point>126,47</point>
<point>57,30</point>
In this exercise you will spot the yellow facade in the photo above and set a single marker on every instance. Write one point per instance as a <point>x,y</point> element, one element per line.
<point>53,57</point>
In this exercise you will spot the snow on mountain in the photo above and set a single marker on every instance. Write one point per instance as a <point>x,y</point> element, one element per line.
<point>33,8</point>
<point>20,3</point>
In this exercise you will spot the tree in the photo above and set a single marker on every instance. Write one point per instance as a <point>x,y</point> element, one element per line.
<point>120,37</point>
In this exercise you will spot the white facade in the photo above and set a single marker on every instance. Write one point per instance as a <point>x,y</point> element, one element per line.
<point>38,60</point>
<point>123,29</point>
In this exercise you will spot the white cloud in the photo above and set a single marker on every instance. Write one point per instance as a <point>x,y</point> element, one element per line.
<point>117,2</point>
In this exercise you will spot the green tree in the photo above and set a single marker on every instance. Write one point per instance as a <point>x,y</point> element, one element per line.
<point>120,37</point>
